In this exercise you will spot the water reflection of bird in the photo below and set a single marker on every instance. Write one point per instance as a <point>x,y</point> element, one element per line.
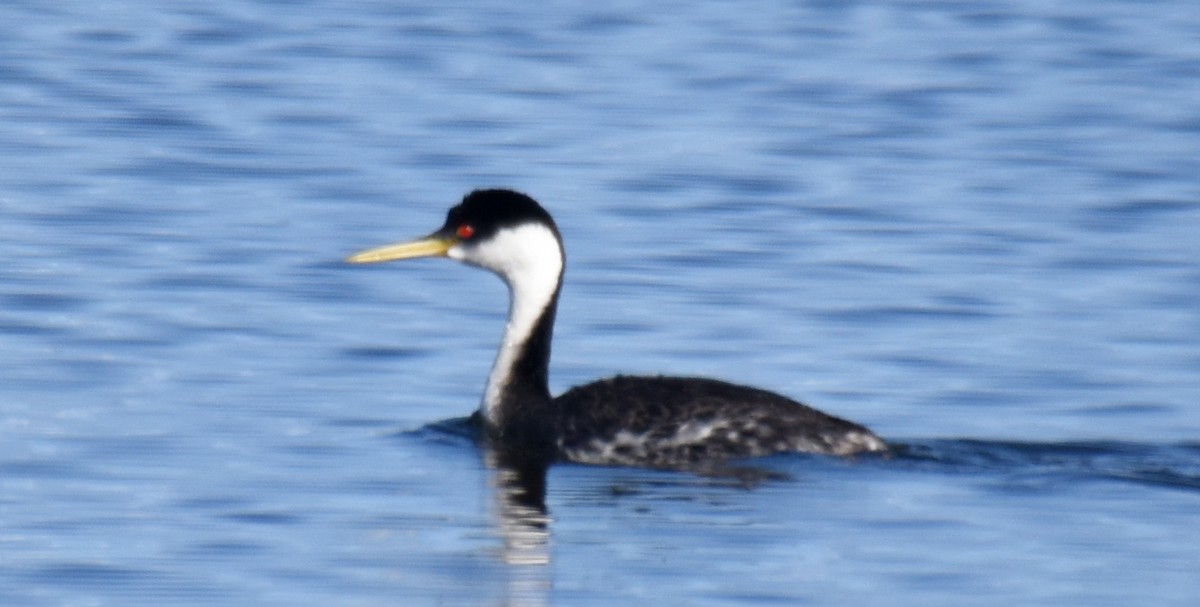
<point>641,421</point>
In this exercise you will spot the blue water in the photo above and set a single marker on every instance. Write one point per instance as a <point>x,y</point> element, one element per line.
<point>970,226</point>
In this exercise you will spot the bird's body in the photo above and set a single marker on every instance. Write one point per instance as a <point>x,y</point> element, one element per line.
<point>665,421</point>
<point>638,421</point>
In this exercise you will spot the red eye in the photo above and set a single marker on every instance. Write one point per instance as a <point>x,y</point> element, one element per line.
<point>465,231</point>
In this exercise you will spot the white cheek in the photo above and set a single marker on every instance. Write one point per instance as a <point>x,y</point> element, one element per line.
<point>528,257</point>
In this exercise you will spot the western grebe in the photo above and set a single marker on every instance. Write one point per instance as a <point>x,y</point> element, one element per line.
<point>636,421</point>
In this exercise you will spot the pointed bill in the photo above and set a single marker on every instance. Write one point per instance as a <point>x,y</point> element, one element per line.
<point>430,246</point>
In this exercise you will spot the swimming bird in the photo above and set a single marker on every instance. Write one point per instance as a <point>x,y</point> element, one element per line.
<point>652,421</point>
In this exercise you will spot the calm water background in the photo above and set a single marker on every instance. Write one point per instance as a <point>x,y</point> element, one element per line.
<point>971,226</point>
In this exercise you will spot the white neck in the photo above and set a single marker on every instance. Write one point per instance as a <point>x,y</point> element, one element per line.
<point>529,258</point>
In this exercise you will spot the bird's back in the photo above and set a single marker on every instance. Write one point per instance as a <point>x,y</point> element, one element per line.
<point>683,421</point>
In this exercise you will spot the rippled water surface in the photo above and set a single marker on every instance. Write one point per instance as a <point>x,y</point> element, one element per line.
<point>970,226</point>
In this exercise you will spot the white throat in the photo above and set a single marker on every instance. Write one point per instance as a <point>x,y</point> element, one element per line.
<point>530,260</point>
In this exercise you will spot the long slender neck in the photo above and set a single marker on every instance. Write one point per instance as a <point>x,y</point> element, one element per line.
<point>521,374</point>
<point>516,403</point>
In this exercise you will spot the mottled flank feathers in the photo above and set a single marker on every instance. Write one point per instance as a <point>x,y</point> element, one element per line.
<point>679,421</point>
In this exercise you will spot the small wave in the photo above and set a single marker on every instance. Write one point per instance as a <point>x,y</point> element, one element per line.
<point>1175,466</point>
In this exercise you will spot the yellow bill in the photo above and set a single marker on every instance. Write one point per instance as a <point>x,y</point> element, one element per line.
<point>430,246</point>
